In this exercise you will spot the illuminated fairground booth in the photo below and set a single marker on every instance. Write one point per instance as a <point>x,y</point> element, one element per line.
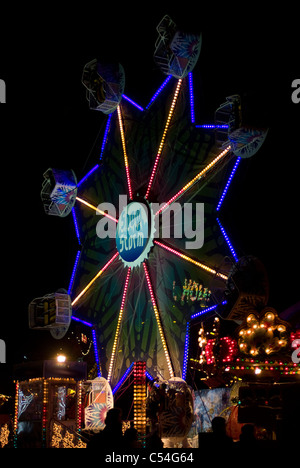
<point>48,404</point>
<point>155,268</point>
<point>56,406</point>
<point>247,359</point>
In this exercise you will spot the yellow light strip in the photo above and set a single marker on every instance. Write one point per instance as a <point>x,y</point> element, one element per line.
<point>139,400</point>
<point>124,151</point>
<point>158,321</point>
<point>160,148</point>
<point>96,209</point>
<point>95,278</point>
<point>195,179</point>
<point>116,339</point>
<point>191,260</point>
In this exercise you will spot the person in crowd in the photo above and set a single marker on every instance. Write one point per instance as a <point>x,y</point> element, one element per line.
<point>153,440</point>
<point>218,425</point>
<point>247,436</point>
<point>131,437</point>
<point>111,437</point>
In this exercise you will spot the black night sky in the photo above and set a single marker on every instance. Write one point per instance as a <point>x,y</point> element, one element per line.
<point>46,123</point>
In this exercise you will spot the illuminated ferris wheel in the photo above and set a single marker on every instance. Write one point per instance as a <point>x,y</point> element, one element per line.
<point>153,253</point>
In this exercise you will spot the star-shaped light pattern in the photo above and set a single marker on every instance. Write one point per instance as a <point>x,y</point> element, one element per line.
<point>95,416</point>
<point>156,154</point>
<point>264,334</point>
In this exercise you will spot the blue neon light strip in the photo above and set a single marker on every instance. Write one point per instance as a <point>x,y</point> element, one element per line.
<point>87,175</point>
<point>82,321</point>
<point>149,376</point>
<point>73,272</point>
<point>228,241</point>
<point>228,184</point>
<point>96,352</point>
<point>101,151</point>
<point>159,91</point>
<point>186,351</point>
<point>132,102</point>
<point>76,225</point>
<point>122,380</point>
<point>211,126</point>
<point>191,90</point>
<point>94,341</point>
<point>187,336</point>
<point>105,136</point>
<point>204,311</point>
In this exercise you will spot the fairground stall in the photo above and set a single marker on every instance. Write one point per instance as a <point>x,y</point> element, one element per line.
<point>48,404</point>
<point>247,369</point>
<point>154,254</point>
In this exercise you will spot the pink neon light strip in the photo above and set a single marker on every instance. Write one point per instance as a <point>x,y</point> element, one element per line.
<point>124,152</point>
<point>158,321</point>
<point>171,111</point>
<point>191,260</point>
<point>116,339</point>
<point>113,258</point>
<point>195,179</point>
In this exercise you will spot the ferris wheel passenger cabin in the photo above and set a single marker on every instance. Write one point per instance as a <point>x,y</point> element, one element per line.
<point>228,117</point>
<point>59,191</point>
<point>50,311</point>
<point>176,52</point>
<point>104,84</point>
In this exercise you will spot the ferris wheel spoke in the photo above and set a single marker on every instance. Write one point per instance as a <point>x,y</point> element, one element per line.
<point>124,151</point>
<point>212,165</point>
<point>84,202</point>
<point>158,321</point>
<point>179,254</point>
<point>112,259</point>
<point>162,142</point>
<point>118,329</point>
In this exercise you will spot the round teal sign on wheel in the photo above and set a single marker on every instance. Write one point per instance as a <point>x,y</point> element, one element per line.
<point>134,233</point>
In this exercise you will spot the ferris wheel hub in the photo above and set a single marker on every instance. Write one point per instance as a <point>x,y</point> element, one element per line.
<point>135,232</point>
